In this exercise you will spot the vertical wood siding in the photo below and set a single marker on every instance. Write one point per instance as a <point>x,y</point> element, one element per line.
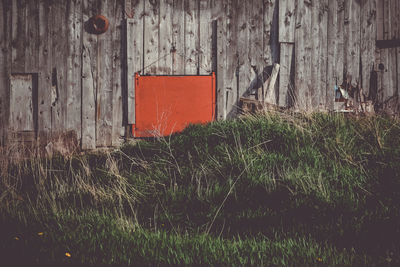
<point>86,81</point>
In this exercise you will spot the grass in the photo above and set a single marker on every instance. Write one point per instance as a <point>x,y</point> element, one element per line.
<point>271,190</point>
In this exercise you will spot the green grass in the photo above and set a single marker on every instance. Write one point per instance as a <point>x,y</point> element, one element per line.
<point>272,190</point>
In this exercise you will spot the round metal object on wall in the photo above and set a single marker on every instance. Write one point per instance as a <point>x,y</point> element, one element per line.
<point>99,24</point>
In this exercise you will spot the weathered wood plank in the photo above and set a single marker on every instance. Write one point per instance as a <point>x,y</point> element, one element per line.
<point>352,40</point>
<point>32,37</point>
<point>256,16</point>
<point>3,80</point>
<point>387,75</point>
<point>135,50</point>
<point>221,57</point>
<point>368,35</point>
<point>398,71</point>
<point>333,76</point>
<point>386,19</point>
<point>392,52</point>
<point>21,92</point>
<point>320,103</point>
<point>74,71</point>
<point>178,37</point>
<point>89,78</point>
<point>230,59</point>
<point>105,88</point>
<point>303,49</point>
<point>165,37</point>
<point>285,83</point>
<point>151,36</point>
<point>379,20</point>
<point>5,60</point>
<point>44,62</point>
<point>191,37</point>
<point>117,105</point>
<point>286,21</point>
<point>268,9</point>
<point>272,80</point>
<point>19,35</point>
<point>398,49</point>
<point>59,68</point>
<point>315,82</point>
<point>205,36</point>
<point>395,25</point>
<point>244,48</point>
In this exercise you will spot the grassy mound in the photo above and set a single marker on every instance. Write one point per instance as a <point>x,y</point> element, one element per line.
<point>263,190</point>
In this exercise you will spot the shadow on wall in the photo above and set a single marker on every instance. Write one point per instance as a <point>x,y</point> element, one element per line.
<point>262,76</point>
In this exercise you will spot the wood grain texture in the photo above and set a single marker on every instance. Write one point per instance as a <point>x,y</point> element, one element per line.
<point>315,43</point>
<point>5,67</point>
<point>73,68</point>
<point>230,59</point>
<point>392,52</point>
<point>379,20</point>
<point>256,16</point>
<point>105,88</point>
<point>191,42</point>
<point>117,52</point>
<point>221,56</point>
<point>268,10</point>
<point>89,79</point>
<point>21,92</point>
<point>303,49</point>
<point>45,68</point>
<point>244,49</point>
<point>59,66</point>
<point>334,66</point>
<point>319,93</point>
<point>135,52</point>
<point>19,36</point>
<point>165,37</point>
<point>178,37</point>
<point>32,37</point>
<point>84,78</point>
<point>368,37</point>
<point>205,36</point>
<point>285,83</point>
<point>151,36</point>
<point>352,40</point>
<point>287,21</point>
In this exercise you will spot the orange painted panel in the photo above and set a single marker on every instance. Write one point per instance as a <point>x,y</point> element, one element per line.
<point>167,104</point>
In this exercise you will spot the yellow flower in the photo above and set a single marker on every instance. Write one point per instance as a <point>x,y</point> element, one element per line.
<point>16,238</point>
<point>67,255</point>
<point>40,233</point>
<point>319,259</point>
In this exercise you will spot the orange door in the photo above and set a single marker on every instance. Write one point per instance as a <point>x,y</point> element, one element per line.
<point>167,104</point>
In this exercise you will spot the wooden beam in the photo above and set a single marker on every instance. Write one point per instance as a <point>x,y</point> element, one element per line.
<point>205,36</point>
<point>285,75</point>
<point>45,69</point>
<point>135,49</point>
<point>105,88</point>
<point>117,66</point>
<point>89,80</point>
<point>165,37</point>
<point>191,42</point>
<point>270,97</point>
<point>287,21</point>
<point>178,38</point>
<point>381,44</point>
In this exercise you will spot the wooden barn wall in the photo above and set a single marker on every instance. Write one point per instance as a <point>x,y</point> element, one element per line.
<point>319,44</point>
<point>80,75</point>
<point>86,81</point>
